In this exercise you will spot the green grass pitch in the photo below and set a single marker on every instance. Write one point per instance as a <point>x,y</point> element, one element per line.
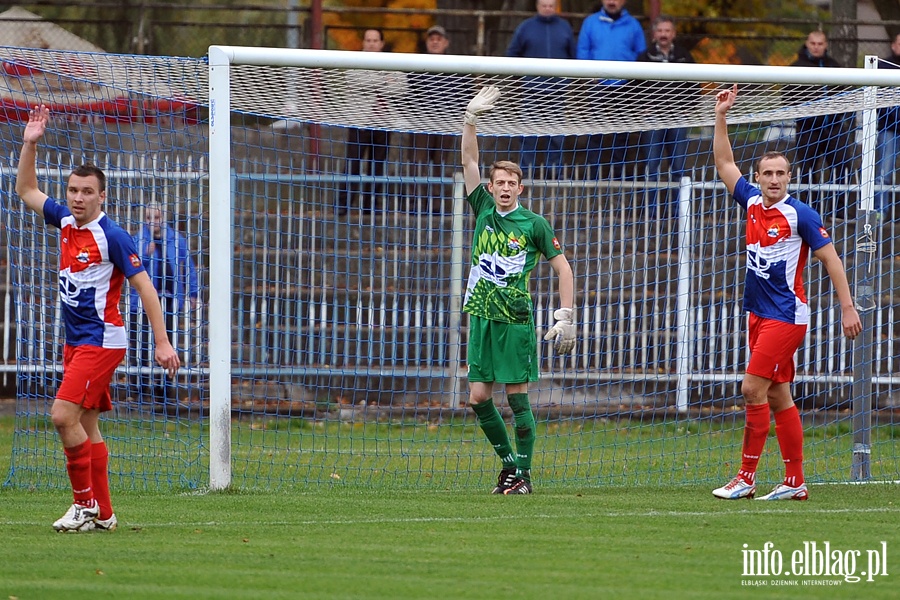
<point>346,542</point>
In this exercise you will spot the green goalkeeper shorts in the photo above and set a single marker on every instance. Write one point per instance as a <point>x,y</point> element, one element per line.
<point>502,352</point>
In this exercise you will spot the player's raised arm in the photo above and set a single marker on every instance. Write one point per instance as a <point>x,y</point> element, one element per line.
<point>26,175</point>
<point>482,103</point>
<point>728,170</point>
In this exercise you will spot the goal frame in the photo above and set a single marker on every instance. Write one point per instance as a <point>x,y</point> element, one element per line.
<point>221,59</point>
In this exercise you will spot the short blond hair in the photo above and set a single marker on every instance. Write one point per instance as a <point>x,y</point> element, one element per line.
<point>508,166</point>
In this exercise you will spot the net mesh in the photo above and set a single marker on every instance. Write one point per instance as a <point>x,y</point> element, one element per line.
<point>348,345</point>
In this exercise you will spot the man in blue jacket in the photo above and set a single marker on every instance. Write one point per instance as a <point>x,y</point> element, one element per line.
<point>545,35</point>
<point>167,259</point>
<point>611,34</point>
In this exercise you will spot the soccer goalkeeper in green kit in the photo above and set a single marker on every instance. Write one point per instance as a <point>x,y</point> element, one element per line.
<point>508,242</point>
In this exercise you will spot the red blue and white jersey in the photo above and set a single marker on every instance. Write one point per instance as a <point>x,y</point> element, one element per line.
<point>779,240</point>
<point>94,261</point>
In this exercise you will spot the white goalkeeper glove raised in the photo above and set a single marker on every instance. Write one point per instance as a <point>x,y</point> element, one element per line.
<point>482,103</point>
<point>562,332</point>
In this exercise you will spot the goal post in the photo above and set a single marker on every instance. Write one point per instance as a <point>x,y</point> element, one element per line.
<point>220,286</point>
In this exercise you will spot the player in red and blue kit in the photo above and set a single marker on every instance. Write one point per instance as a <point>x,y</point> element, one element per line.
<point>781,232</point>
<point>95,258</point>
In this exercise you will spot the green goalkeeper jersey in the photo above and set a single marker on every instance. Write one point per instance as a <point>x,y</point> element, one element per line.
<point>505,250</point>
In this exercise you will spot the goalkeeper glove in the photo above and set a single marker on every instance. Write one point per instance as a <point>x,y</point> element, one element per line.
<point>483,102</point>
<point>562,332</point>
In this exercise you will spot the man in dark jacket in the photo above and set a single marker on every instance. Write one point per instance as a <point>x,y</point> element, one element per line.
<point>671,143</point>
<point>545,35</point>
<point>825,137</point>
<point>888,138</point>
<point>433,154</point>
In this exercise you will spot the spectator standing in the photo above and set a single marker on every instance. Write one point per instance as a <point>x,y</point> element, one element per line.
<point>780,233</point>
<point>433,152</point>
<point>610,34</point>
<point>366,145</point>
<point>821,137</point>
<point>545,35</point>
<point>166,256</point>
<point>95,258</point>
<point>671,143</point>
<point>888,139</point>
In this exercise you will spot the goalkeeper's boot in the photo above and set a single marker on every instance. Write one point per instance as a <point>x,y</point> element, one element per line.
<point>786,492</point>
<point>519,486</point>
<point>109,524</point>
<point>735,489</point>
<point>78,518</point>
<point>505,480</point>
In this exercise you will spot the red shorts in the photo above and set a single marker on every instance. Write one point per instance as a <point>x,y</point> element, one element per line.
<point>772,347</point>
<point>87,371</point>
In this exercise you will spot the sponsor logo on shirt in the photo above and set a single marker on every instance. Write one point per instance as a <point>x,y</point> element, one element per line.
<point>68,291</point>
<point>756,262</point>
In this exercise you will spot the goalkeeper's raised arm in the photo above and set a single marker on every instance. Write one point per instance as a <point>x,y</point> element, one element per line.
<point>482,103</point>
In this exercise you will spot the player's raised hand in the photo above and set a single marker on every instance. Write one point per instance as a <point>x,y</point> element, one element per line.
<point>38,117</point>
<point>482,103</point>
<point>725,99</point>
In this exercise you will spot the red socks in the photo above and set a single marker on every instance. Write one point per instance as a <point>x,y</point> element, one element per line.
<point>789,430</point>
<point>100,478</point>
<point>78,465</point>
<point>756,430</point>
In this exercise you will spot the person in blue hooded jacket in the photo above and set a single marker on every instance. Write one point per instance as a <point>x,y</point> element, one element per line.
<point>610,34</point>
<point>545,35</point>
<point>166,256</point>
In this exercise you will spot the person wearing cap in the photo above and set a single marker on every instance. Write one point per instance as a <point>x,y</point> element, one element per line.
<point>434,153</point>
<point>436,40</point>
<point>545,35</point>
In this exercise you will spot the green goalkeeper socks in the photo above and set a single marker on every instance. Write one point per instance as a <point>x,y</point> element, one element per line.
<point>525,433</point>
<point>495,429</point>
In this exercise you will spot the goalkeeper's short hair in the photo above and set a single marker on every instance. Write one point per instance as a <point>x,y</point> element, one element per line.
<point>508,166</point>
